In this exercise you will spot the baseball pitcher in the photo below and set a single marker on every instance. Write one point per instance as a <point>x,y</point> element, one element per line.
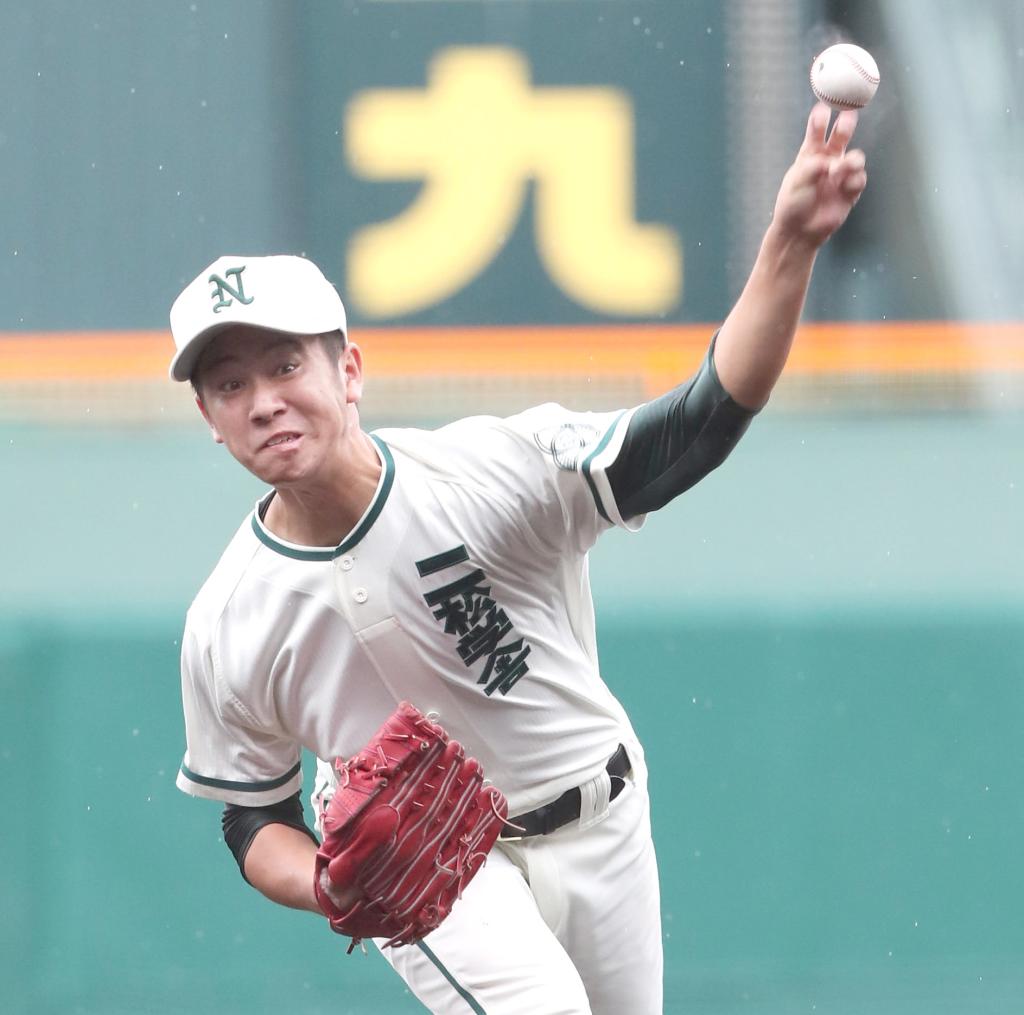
<point>414,608</point>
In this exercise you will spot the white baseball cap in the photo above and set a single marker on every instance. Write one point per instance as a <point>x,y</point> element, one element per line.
<point>280,293</point>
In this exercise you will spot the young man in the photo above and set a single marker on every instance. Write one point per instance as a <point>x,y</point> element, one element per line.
<point>449,568</point>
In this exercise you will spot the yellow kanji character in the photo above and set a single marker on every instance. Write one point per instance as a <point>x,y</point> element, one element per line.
<point>476,136</point>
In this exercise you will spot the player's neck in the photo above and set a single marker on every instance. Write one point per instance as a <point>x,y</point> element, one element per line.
<point>323,510</point>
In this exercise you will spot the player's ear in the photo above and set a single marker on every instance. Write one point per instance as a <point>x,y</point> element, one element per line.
<point>209,422</point>
<point>352,368</point>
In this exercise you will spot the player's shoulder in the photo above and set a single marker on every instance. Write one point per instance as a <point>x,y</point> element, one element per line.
<point>549,429</point>
<point>567,436</point>
<point>216,592</point>
<point>449,450</point>
<point>418,440</point>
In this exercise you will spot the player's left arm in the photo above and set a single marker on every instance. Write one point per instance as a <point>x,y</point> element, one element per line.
<point>275,850</point>
<point>280,863</point>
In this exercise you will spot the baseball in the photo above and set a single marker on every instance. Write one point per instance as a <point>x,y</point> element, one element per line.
<point>845,76</point>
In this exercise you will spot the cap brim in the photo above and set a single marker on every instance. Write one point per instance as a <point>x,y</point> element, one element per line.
<point>184,363</point>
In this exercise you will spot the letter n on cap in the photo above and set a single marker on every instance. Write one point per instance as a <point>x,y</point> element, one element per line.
<point>223,288</point>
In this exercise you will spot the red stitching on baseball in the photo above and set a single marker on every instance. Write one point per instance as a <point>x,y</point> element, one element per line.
<point>842,103</point>
<point>833,100</point>
<point>865,74</point>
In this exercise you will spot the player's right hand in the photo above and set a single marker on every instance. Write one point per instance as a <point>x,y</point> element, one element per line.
<point>824,182</point>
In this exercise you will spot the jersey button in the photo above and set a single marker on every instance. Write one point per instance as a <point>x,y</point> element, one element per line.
<point>360,595</point>
<point>346,563</point>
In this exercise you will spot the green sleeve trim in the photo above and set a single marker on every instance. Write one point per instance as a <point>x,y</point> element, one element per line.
<point>243,787</point>
<point>459,989</point>
<point>602,444</point>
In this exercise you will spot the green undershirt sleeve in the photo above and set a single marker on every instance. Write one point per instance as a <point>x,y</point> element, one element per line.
<point>675,440</point>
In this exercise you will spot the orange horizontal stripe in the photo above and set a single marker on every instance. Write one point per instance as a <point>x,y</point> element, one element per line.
<point>654,352</point>
<point>909,347</point>
<point>83,355</point>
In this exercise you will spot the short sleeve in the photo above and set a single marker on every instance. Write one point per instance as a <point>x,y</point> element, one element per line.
<point>227,756</point>
<point>572,452</point>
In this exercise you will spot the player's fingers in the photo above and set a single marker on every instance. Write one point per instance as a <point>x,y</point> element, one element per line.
<point>855,159</point>
<point>848,180</point>
<point>842,131</point>
<point>817,125</point>
<point>843,168</point>
<point>853,186</point>
<point>808,169</point>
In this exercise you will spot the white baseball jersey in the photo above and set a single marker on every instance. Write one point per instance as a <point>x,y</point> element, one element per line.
<point>463,589</point>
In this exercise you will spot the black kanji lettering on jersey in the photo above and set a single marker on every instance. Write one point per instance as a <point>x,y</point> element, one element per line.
<point>480,625</point>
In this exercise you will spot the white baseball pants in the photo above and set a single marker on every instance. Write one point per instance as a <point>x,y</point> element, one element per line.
<point>561,924</point>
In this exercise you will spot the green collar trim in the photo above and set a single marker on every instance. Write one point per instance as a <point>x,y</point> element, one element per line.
<point>377,504</point>
<point>285,549</point>
<point>296,552</point>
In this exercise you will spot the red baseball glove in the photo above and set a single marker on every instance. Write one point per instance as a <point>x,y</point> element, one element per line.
<point>408,827</point>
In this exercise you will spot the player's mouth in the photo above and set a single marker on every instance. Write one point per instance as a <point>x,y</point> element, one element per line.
<point>281,440</point>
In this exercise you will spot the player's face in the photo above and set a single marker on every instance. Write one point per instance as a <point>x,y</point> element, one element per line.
<point>282,404</point>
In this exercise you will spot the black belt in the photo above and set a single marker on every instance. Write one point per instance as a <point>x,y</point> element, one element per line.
<point>567,807</point>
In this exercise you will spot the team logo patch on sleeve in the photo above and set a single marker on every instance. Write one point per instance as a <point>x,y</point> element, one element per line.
<point>567,443</point>
<point>480,626</point>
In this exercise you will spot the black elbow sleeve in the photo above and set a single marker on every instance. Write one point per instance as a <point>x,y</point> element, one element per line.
<point>675,440</point>
<point>240,824</point>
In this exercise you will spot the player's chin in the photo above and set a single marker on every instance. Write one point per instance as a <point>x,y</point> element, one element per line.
<point>283,478</point>
<point>278,472</point>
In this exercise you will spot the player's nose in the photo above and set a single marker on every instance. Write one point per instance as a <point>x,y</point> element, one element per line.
<point>266,400</point>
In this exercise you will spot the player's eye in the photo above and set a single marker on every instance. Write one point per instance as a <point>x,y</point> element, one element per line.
<point>287,368</point>
<point>229,386</point>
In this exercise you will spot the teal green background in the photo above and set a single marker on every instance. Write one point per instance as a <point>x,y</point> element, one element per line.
<point>820,646</point>
<point>170,132</point>
<point>648,50</point>
<point>141,139</point>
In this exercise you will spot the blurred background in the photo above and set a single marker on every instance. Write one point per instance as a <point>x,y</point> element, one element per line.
<point>821,645</point>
